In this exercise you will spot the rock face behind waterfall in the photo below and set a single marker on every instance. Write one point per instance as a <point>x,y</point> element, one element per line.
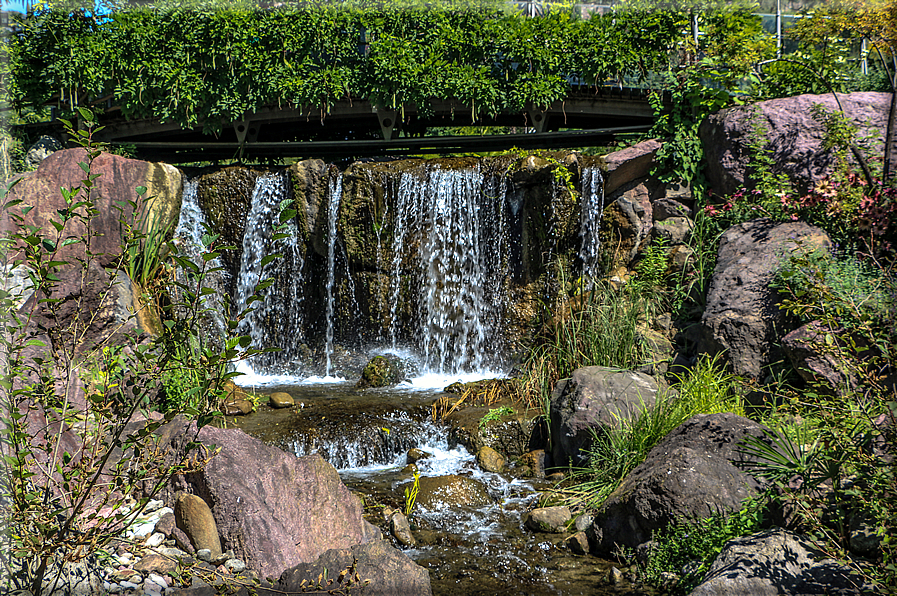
<point>272,509</point>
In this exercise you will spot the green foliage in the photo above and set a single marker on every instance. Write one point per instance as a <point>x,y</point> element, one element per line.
<point>687,548</point>
<point>213,66</point>
<point>651,270</point>
<point>411,493</point>
<point>618,449</point>
<point>495,415</point>
<point>63,479</point>
<point>599,328</point>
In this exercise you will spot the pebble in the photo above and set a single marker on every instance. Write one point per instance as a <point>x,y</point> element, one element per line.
<point>155,540</point>
<point>114,589</point>
<point>204,554</point>
<point>129,585</point>
<point>235,565</point>
<point>135,579</point>
<point>153,505</point>
<point>158,580</point>
<point>125,559</point>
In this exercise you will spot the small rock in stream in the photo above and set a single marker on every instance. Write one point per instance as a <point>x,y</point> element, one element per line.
<point>415,455</point>
<point>280,399</point>
<point>490,460</point>
<point>547,519</point>
<point>401,529</point>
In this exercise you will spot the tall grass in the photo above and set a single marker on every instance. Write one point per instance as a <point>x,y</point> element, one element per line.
<point>599,328</point>
<point>617,450</point>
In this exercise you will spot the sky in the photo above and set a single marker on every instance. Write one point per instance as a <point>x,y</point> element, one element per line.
<point>16,5</point>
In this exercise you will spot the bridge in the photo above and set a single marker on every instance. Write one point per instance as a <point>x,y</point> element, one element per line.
<point>588,116</point>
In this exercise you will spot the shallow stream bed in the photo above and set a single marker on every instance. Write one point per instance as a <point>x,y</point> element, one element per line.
<point>467,550</point>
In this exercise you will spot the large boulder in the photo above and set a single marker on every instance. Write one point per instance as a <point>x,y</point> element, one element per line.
<point>742,317</point>
<point>690,474</point>
<point>118,179</point>
<point>628,219</point>
<point>775,562</point>
<point>272,509</point>
<point>627,165</point>
<point>791,133</point>
<point>592,398</point>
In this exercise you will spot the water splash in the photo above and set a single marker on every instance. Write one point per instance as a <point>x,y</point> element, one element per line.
<point>591,211</point>
<point>276,320</point>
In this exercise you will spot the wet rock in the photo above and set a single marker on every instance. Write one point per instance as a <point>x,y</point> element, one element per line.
<point>692,473</point>
<point>742,317</point>
<point>793,136</point>
<point>414,455</point>
<point>280,399</point>
<point>490,460</point>
<point>401,529</point>
<point>578,543</point>
<point>195,518</point>
<point>438,492</point>
<point>614,576</point>
<point>548,519</point>
<point>309,182</point>
<point>410,469</point>
<point>271,507</point>
<point>387,571</point>
<point>532,464</point>
<point>775,562</point>
<point>239,407</point>
<point>382,371</point>
<point>592,397</point>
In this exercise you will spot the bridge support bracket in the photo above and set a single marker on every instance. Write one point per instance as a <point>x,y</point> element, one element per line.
<point>538,118</point>
<point>246,131</point>
<point>387,119</point>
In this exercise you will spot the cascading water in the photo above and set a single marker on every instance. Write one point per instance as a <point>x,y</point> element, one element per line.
<point>334,197</point>
<point>188,238</point>
<point>276,320</point>
<point>459,215</point>
<point>592,209</point>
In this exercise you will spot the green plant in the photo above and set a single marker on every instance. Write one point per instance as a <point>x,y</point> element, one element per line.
<point>146,241</point>
<point>617,449</point>
<point>687,548</point>
<point>411,493</point>
<point>494,415</point>
<point>599,328</point>
<point>67,461</point>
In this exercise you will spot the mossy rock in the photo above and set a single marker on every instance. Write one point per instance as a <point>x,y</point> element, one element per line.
<point>383,371</point>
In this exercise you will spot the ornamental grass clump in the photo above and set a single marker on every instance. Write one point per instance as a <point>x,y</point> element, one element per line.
<point>617,450</point>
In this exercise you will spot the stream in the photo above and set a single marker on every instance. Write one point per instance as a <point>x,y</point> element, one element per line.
<point>366,435</point>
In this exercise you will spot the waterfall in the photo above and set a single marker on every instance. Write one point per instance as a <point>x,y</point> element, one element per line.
<point>188,238</point>
<point>592,208</point>
<point>460,266</point>
<point>274,321</point>
<point>334,196</point>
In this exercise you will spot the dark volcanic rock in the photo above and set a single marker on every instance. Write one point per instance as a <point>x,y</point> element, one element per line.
<point>742,317</point>
<point>689,474</point>
<point>273,509</point>
<point>793,136</point>
<point>592,397</point>
<point>775,562</point>
<point>811,357</point>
